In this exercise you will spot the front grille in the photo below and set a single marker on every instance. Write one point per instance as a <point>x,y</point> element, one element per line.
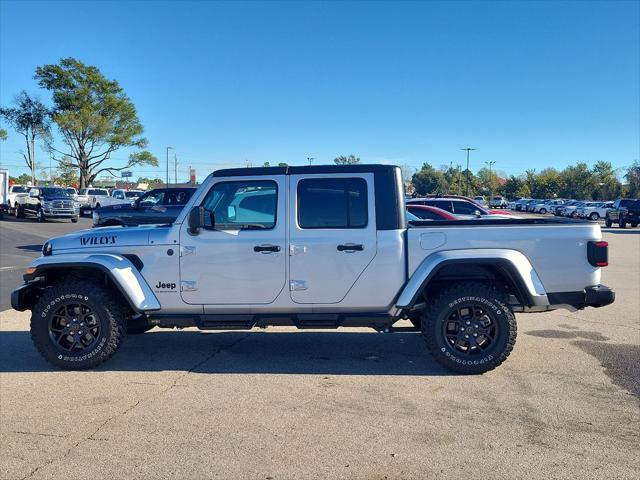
<point>62,204</point>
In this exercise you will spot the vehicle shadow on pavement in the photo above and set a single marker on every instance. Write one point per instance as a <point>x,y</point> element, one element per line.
<point>253,352</point>
<point>30,248</point>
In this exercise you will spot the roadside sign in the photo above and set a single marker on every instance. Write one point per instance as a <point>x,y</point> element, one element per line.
<point>126,174</point>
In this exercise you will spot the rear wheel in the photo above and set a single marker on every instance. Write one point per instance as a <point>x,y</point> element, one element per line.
<point>468,328</point>
<point>594,216</point>
<point>78,324</point>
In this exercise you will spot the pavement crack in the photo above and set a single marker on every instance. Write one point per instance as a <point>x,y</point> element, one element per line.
<point>40,434</point>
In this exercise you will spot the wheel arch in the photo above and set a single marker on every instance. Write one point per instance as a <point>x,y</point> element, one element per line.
<point>509,266</point>
<point>120,272</point>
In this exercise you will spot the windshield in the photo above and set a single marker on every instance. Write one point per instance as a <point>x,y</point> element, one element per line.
<point>71,191</point>
<point>20,189</point>
<point>51,191</point>
<point>98,191</point>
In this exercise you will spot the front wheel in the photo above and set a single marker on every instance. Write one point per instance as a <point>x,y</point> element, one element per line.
<point>468,328</point>
<point>622,223</point>
<point>19,212</point>
<point>594,216</point>
<point>74,219</point>
<point>543,211</point>
<point>77,324</point>
<point>607,222</point>
<point>40,216</point>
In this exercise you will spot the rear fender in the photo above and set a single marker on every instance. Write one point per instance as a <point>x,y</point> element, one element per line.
<point>119,269</point>
<point>512,262</point>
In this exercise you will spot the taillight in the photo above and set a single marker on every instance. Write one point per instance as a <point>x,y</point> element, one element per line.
<point>598,253</point>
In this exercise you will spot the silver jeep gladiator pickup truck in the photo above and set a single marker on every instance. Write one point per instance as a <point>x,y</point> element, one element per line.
<point>314,247</point>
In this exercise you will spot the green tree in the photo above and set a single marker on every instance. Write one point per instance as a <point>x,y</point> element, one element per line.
<point>350,160</point>
<point>67,173</point>
<point>547,184</point>
<point>607,186</point>
<point>428,180</point>
<point>633,179</point>
<point>3,134</point>
<point>283,164</point>
<point>152,182</point>
<point>94,116</point>
<point>31,119</point>
<point>578,182</point>
<point>21,180</point>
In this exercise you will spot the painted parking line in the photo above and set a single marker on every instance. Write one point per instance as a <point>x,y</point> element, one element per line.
<point>10,268</point>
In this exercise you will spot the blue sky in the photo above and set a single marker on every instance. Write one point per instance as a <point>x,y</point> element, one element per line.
<point>530,84</point>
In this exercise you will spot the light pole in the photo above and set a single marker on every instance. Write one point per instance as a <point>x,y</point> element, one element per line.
<point>490,180</point>
<point>168,148</point>
<point>310,160</point>
<point>468,149</point>
<point>175,167</point>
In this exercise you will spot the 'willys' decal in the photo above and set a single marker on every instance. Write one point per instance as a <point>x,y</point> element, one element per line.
<point>99,240</point>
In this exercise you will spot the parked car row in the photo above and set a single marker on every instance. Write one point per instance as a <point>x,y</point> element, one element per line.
<point>623,212</point>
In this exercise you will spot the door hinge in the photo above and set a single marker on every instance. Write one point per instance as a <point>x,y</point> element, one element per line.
<point>297,249</point>
<point>188,286</point>
<point>297,285</point>
<point>184,251</point>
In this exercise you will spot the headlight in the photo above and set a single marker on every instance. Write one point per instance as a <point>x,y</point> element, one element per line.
<point>47,249</point>
<point>46,204</point>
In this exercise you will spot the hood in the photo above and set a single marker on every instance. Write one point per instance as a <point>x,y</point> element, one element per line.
<point>104,238</point>
<point>114,208</point>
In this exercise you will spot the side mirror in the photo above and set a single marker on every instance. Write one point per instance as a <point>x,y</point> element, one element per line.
<point>477,213</point>
<point>196,220</point>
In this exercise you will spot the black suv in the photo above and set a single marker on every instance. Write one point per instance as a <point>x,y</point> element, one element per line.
<point>624,210</point>
<point>160,206</point>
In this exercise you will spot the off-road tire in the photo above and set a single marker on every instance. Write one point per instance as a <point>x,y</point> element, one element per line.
<point>607,222</point>
<point>136,326</point>
<point>110,312</point>
<point>464,295</point>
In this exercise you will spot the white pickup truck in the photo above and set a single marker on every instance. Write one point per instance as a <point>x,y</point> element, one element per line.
<point>14,192</point>
<point>88,196</point>
<point>119,196</point>
<point>314,247</point>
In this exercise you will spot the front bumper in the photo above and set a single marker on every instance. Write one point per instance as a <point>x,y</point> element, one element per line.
<point>60,212</point>
<point>594,296</point>
<point>24,297</point>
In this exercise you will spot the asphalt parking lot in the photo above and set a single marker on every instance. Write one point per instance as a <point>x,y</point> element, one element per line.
<point>281,403</point>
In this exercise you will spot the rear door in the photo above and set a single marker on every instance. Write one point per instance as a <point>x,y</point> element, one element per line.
<point>332,234</point>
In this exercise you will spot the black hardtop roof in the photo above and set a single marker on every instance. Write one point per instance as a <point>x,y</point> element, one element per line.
<point>310,169</point>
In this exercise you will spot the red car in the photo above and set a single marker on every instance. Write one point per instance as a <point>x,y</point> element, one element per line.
<point>425,212</point>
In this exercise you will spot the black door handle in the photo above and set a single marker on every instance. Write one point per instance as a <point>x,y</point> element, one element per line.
<point>352,247</point>
<point>266,248</point>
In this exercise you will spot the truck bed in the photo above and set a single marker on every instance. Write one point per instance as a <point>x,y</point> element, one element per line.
<point>556,246</point>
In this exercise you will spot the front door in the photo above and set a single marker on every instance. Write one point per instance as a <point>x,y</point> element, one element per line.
<point>239,257</point>
<point>332,234</point>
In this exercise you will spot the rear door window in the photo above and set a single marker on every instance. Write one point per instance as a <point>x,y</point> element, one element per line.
<point>332,203</point>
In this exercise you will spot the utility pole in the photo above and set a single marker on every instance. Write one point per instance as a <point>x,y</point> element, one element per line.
<point>310,160</point>
<point>168,148</point>
<point>468,149</point>
<point>175,168</point>
<point>490,181</point>
<point>33,161</point>
<point>459,179</point>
